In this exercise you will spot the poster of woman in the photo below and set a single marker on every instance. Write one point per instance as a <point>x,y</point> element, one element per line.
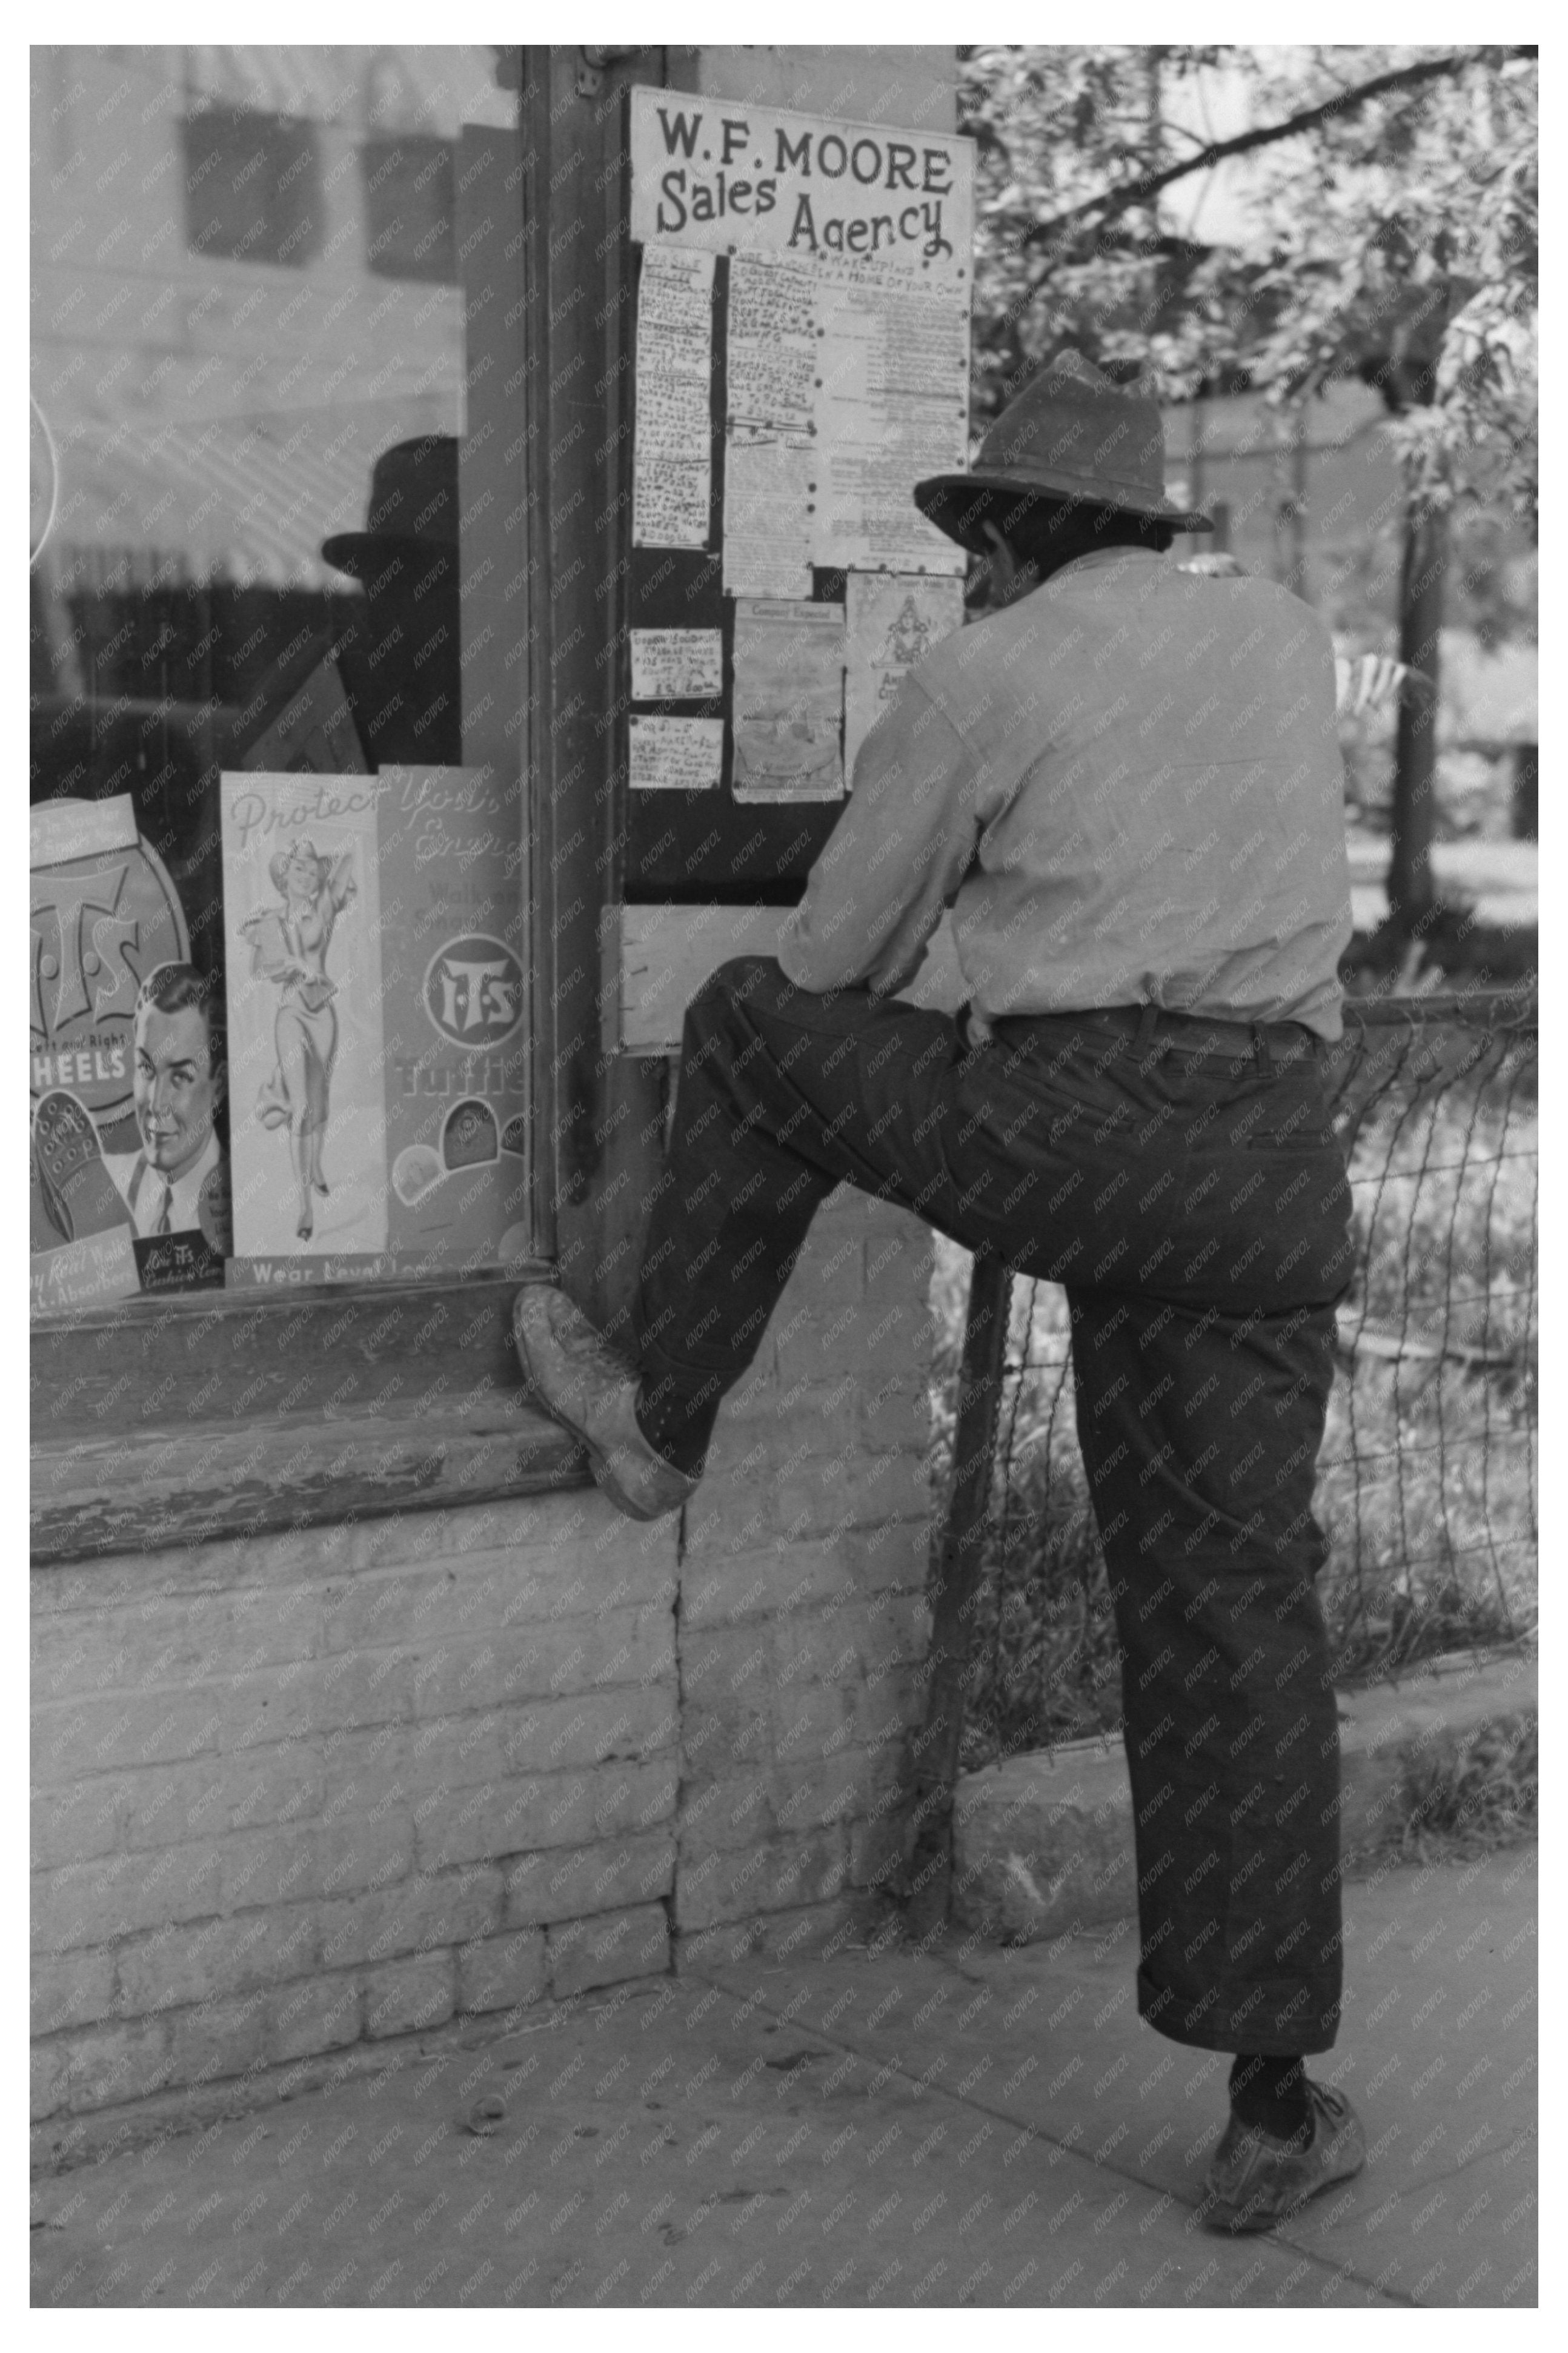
<point>302,903</point>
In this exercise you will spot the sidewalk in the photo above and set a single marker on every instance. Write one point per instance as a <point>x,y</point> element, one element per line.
<point>891,2129</point>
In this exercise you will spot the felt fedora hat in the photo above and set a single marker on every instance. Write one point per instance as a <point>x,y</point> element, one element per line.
<point>413,506</point>
<point>1070,434</point>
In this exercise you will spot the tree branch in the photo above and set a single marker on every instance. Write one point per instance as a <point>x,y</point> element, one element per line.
<point>1149,184</point>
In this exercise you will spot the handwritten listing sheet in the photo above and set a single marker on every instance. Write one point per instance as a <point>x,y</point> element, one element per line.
<point>771,348</point>
<point>676,755</point>
<point>770,469</point>
<point>673,470</point>
<point>676,665</point>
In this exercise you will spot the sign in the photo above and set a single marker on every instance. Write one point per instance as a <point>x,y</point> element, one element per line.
<point>128,1179</point>
<point>802,352</point>
<point>377,1023</point>
<point>846,351</point>
<point>721,177</point>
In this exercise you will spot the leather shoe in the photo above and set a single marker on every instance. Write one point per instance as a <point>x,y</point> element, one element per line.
<point>590,1389</point>
<point>1254,2181</point>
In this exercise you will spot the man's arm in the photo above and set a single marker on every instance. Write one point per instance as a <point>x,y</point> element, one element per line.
<point>895,858</point>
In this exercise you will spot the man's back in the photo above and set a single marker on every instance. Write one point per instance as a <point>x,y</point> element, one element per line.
<point>1143,769</point>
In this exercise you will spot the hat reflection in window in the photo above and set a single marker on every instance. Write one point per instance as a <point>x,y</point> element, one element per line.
<point>390,688</point>
<point>290,947</point>
<point>400,663</point>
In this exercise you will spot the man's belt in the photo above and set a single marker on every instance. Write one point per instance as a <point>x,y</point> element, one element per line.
<point>1184,1033</point>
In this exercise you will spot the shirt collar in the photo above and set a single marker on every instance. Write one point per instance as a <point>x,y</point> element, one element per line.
<point>1101,556</point>
<point>186,1187</point>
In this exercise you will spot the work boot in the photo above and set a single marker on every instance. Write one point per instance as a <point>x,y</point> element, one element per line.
<point>1254,2181</point>
<point>590,1389</point>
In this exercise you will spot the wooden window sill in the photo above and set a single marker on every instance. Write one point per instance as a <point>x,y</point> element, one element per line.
<point>218,1416</point>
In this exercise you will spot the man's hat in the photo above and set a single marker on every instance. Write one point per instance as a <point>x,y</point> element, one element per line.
<point>1073,434</point>
<point>413,506</point>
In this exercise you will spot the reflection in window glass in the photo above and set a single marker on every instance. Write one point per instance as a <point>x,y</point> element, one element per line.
<point>243,297</point>
<point>248,378</point>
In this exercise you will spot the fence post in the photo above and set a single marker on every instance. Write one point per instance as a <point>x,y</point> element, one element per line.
<point>953,1590</point>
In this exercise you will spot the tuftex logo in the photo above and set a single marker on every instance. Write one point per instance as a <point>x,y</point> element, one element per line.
<point>473,991</point>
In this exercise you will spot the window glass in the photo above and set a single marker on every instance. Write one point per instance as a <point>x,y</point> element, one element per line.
<point>248,372</point>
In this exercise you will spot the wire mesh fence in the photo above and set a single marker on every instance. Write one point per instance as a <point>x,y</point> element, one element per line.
<point>1426,1485</point>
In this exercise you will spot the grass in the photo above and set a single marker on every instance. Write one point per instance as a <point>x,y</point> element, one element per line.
<point>1471,1795</point>
<point>1426,1477</point>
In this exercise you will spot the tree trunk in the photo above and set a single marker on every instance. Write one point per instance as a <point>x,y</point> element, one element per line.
<point>1410,888</point>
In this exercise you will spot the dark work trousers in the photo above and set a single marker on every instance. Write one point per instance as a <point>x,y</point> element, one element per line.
<point>1192,1199</point>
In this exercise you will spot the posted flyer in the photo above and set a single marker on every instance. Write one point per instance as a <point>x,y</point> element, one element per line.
<point>128,1175</point>
<point>377,1023</point>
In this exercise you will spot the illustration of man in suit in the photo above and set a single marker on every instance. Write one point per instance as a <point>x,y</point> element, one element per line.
<point>178,1084</point>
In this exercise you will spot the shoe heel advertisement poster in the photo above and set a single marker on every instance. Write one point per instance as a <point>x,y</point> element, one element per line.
<point>128,1174</point>
<point>376,1024</point>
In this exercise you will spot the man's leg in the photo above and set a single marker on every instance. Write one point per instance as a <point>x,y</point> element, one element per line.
<point>782,1095</point>
<point>1199,1432</point>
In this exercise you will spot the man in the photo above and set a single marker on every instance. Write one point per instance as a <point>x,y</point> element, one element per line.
<point>178,1084</point>
<point>1125,782</point>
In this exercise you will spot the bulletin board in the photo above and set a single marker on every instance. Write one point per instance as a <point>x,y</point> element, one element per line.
<point>802,355</point>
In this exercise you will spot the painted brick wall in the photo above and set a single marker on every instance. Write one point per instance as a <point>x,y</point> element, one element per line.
<point>802,1614</point>
<point>298,1797</point>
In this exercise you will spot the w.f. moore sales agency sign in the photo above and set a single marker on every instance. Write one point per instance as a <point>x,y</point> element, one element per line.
<point>723,175</point>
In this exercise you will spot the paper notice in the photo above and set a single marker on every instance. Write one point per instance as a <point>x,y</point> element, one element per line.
<point>672,473</point>
<point>770,470</point>
<point>676,755</point>
<point>59,830</point>
<point>771,353</point>
<point>892,621</point>
<point>787,701</point>
<point>769,492</point>
<point>893,408</point>
<point>676,665</point>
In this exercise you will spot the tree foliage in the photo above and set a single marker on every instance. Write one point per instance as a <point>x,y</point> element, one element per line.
<point>1392,233</point>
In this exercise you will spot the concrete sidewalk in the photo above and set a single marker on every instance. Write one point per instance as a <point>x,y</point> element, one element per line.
<point>861,2128</point>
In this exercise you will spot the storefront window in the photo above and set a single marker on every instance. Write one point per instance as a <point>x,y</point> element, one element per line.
<point>249,394</point>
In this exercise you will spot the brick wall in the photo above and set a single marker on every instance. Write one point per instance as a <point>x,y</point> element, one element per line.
<point>298,1797</point>
<point>802,1612</point>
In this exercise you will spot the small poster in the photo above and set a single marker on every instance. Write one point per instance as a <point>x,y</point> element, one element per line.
<point>676,665</point>
<point>892,621</point>
<point>787,701</point>
<point>377,1023</point>
<point>676,755</point>
<point>672,466</point>
<point>128,1170</point>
